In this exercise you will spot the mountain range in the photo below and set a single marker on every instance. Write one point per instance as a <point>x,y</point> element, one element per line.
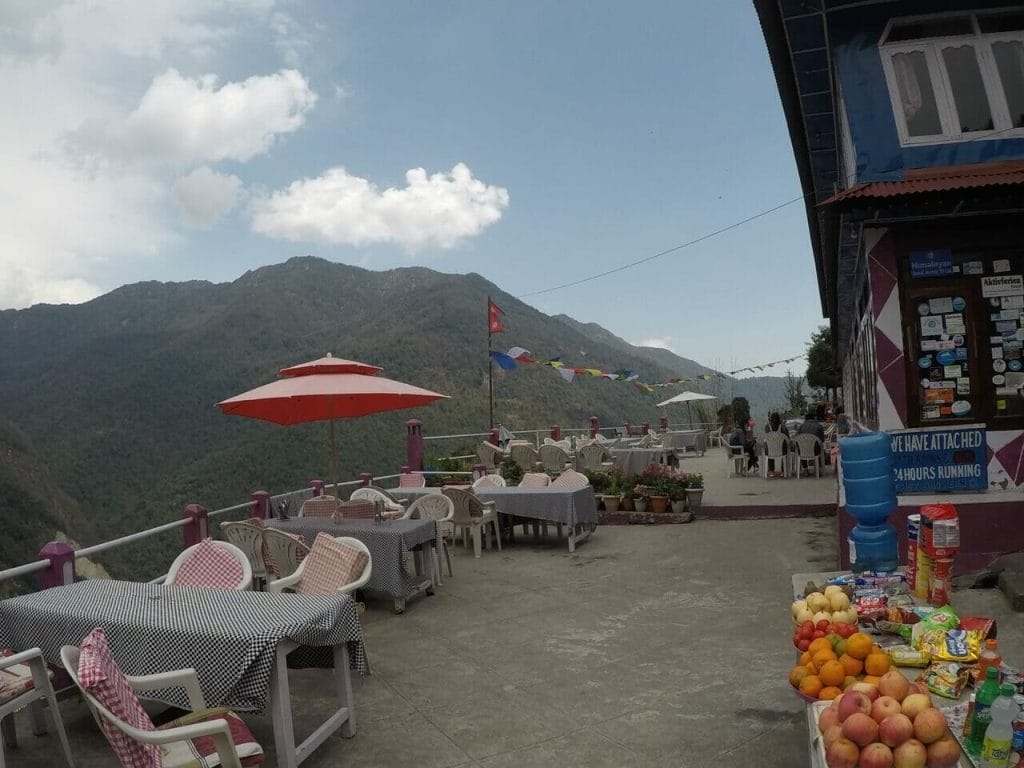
<point>108,422</point>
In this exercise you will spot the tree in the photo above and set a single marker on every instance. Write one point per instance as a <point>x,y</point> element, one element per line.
<point>795,394</point>
<point>741,411</point>
<point>821,362</point>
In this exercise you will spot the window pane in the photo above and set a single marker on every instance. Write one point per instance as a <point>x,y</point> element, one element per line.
<point>920,30</point>
<point>968,88</point>
<point>917,96</point>
<point>1009,58</point>
<point>1001,22</point>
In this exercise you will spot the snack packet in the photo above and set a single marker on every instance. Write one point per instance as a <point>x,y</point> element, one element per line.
<point>945,678</point>
<point>905,656</point>
<point>941,618</point>
<point>948,645</point>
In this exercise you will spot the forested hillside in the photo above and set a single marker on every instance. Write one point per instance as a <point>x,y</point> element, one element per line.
<point>117,395</point>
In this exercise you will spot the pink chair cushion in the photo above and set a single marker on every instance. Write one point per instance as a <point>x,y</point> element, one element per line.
<point>100,676</point>
<point>210,566</point>
<point>329,565</point>
<point>202,751</point>
<point>360,508</point>
<point>411,480</point>
<point>319,506</point>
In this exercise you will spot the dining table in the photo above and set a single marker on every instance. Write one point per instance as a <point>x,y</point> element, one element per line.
<point>573,507</point>
<point>391,542</point>
<point>633,460</point>
<point>240,643</point>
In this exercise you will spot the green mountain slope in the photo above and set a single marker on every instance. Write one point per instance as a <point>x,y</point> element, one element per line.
<point>117,395</point>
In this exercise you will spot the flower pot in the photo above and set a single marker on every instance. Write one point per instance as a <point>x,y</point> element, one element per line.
<point>694,497</point>
<point>678,506</point>
<point>626,505</point>
<point>659,504</point>
<point>611,503</point>
<point>641,505</point>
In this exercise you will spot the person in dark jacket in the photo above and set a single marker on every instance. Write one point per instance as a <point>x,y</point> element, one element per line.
<point>739,438</point>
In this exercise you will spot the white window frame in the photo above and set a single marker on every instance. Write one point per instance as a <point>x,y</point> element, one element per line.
<point>932,49</point>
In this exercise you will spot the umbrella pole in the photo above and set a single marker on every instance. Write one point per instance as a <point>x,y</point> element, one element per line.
<point>334,462</point>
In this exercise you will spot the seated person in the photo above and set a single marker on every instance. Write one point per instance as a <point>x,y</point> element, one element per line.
<point>775,425</point>
<point>739,438</point>
<point>812,426</point>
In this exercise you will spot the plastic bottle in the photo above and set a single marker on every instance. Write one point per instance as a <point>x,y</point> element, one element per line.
<point>870,499</point>
<point>982,715</point>
<point>995,751</point>
<point>989,657</point>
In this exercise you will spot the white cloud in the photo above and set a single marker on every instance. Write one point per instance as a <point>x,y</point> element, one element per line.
<point>337,208</point>
<point>204,196</point>
<point>664,342</point>
<point>188,120</point>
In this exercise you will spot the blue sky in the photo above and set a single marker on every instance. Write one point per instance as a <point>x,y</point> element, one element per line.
<point>198,140</point>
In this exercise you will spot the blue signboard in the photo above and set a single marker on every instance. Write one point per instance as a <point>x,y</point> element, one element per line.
<point>940,459</point>
<point>931,263</point>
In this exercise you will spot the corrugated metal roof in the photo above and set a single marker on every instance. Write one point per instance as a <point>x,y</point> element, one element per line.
<point>945,179</point>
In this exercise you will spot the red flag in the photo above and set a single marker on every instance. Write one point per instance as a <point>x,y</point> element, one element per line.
<point>494,313</point>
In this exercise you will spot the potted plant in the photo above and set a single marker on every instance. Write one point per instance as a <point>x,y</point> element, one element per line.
<point>641,497</point>
<point>511,471</point>
<point>627,483</point>
<point>695,491</point>
<point>677,493</point>
<point>655,477</point>
<point>610,497</point>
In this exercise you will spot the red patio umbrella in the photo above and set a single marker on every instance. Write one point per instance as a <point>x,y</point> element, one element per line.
<point>324,390</point>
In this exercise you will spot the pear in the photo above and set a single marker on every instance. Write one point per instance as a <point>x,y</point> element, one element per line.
<point>817,602</point>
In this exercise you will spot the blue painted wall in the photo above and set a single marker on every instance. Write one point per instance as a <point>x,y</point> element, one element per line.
<point>854,35</point>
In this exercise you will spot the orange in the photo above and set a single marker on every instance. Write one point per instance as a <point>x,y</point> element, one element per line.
<point>848,681</point>
<point>851,665</point>
<point>821,657</point>
<point>829,692</point>
<point>820,644</point>
<point>876,664</point>
<point>832,673</point>
<point>805,658</point>
<point>858,645</point>
<point>810,686</point>
<point>873,679</point>
<point>796,674</point>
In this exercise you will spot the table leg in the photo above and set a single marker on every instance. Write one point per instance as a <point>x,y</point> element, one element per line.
<point>281,710</point>
<point>343,689</point>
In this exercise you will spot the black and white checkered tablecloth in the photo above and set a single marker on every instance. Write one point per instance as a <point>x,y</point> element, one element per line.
<point>229,637</point>
<point>389,543</point>
<point>552,503</point>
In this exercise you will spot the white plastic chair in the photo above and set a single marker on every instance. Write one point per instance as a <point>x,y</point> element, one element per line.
<point>218,729</point>
<point>490,455</point>
<point>736,457</point>
<point>570,478</point>
<point>390,506</point>
<point>249,539</point>
<point>715,438</point>
<point>489,481</point>
<point>595,457</point>
<point>775,453</point>
<point>34,697</point>
<point>245,580</point>
<point>473,516</point>
<point>441,510</point>
<point>319,506</point>
<point>525,456</point>
<point>284,551</point>
<point>810,453</point>
<point>554,457</point>
<point>290,582</point>
<point>412,480</point>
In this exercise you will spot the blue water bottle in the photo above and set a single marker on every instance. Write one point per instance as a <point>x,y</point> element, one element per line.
<point>870,497</point>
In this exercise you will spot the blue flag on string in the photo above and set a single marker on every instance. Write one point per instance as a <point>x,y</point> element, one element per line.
<point>504,362</point>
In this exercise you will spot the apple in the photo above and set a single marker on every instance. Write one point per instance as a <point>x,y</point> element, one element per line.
<point>884,706</point>
<point>944,753</point>
<point>895,730</point>
<point>804,643</point>
<point>829,716</point>
<point>929,726</point>
<point>838,601</point>
<point>816,602</point>
<point>860,729</point>
<point>867,689</point>
<point>910,754</point>
<point>914,704</point>
<point>842,753</point>
<point>894,684</point>
<point>831,733</point>
<point>876,755</point>
<point>853,701</point>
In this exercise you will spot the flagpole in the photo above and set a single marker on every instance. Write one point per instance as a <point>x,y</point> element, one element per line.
<point>490,366</point>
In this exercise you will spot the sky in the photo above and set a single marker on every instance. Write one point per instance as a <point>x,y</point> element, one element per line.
<point>534,143</point>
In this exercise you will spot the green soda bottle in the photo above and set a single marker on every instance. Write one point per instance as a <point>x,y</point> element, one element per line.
<point>987,693</point>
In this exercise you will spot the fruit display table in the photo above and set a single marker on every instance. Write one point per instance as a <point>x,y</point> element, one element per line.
<point>815,748</point>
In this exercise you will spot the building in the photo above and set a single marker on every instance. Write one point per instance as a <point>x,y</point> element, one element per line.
<point>907,124</point>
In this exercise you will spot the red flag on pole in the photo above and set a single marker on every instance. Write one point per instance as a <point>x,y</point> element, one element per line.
<point>494,313</point>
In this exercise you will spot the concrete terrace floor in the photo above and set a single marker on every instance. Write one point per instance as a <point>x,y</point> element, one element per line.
<point>660,646</point>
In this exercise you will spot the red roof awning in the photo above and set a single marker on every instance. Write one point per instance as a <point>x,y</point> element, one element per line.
<point>945,179</point>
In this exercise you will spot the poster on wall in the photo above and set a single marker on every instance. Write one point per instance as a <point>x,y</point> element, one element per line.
<point>942,358</point>
<point>938,263</point>
<point>940,459</point>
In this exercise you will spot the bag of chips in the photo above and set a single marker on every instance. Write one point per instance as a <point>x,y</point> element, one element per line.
<point>958,645</point>
<point>945,678</point>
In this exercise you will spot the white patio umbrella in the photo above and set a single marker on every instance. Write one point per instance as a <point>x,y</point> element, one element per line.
<point>686,397</point>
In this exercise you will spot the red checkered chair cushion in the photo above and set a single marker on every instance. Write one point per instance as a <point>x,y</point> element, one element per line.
<point>209,566</point>
<point>201,752</point>
<point>100,676</point>
<point>330,565</point>
<point>411,480</point>
<point>361,508</point>
<point>319,506</point>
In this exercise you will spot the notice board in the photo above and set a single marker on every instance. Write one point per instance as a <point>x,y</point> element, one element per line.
<point>940,459</point>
